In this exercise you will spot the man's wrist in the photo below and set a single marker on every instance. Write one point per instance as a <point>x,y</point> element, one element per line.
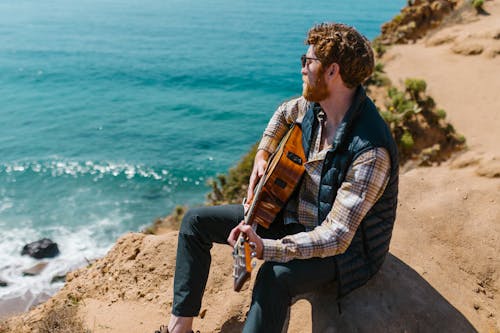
<point>262,154</point>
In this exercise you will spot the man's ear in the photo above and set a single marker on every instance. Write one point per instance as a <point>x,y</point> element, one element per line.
<point>333,69</point>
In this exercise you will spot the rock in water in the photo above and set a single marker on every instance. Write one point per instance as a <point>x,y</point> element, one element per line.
<point>44,248</point>
<point>35,270</point>
<point>58,278</point>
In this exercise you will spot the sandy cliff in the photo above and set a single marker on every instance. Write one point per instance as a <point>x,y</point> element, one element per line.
<point>443,273</point>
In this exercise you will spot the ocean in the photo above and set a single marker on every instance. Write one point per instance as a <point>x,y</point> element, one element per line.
<point>114,112</point>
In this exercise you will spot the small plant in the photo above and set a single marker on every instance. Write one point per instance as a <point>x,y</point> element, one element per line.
<point>379,47</point>
<point>429,154</point>
<point>460,138</point>
<point>378,77</point>
<point>398,18</point>
<point>418,127</point>
<point>170,222</point>
<point>379,68</point>
<point>179,212</point>
<point>415,87</point>
<point>73,299</point>
<point>407,141</point>
<point>478,5</point>
<point>440,113</point>
<point>63,319</point>
<point>232,188</point>
<point>402,105</point>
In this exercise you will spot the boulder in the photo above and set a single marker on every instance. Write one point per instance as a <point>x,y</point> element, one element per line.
<point>467,48</point>
<point>3,283</point>
<point>58,278</point>
<point>44,248</point>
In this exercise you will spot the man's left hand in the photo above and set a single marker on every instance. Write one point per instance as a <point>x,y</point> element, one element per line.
<point>252,237</point>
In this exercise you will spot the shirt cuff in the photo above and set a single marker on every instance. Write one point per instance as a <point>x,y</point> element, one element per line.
<point>272,250</point>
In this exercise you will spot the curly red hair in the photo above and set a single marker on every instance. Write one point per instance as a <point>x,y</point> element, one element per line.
<point>344,45</point>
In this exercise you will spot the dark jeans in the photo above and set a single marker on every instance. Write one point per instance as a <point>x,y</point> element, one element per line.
<point>275,285</point>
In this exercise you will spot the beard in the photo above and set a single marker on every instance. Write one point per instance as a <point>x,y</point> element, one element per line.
<point>318,91</point>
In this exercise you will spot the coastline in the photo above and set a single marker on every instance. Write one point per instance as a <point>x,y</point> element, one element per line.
<point>453,249</point>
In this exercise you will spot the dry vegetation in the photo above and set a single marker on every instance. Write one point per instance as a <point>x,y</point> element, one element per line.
<point>61,319</point>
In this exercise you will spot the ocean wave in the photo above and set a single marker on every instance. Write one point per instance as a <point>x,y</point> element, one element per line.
<point>5,204</point>
<point>76,169</point>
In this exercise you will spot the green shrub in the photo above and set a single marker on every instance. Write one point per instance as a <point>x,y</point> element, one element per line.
<point>407,141</point>
<point>440,113</point>
<point>379,68</point>
<point>172,221</point>
<point>232,188</point>
<point>398,18</point>
<point>460,138</point>
<point>388,116</point>
<point>411,116</point>
<point>378,47</point>
<point>378,78</point>
<point>400,104</point>
<point>478,4</point>
<point>415,87</point>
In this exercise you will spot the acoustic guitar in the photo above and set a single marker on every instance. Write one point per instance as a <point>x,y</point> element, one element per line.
<point>283,173</point>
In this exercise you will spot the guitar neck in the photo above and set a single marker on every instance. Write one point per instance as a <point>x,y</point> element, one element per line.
<point>251,210</point>
<point>282,175</point>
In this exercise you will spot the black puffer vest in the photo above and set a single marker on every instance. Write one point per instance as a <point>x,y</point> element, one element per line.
<point>361,129</point>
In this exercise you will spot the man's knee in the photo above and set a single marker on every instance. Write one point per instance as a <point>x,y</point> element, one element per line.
<point>191,221</point>
<point>274,275</point>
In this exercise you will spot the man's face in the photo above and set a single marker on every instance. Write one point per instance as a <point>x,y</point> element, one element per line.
<point>314,88</point>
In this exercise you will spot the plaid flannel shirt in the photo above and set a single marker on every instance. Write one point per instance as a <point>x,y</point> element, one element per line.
<point>365,182</point>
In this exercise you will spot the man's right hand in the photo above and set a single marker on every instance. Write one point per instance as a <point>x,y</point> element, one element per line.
<point>259,167</point>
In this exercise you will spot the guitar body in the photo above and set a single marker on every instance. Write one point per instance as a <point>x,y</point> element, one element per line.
<point>283,173</point>
<point>282,176</point>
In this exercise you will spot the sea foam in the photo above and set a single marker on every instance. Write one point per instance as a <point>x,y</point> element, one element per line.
<point>77,249</point>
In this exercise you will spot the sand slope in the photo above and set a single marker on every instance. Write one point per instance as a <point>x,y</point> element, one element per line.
<point>466,86</point>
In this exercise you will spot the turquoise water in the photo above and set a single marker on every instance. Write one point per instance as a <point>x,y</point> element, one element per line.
<point>113,112</point>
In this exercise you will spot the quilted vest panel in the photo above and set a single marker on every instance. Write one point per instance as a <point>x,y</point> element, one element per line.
<point>362,129</point>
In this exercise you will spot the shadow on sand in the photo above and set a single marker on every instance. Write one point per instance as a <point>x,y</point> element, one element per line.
<point>397,299</point>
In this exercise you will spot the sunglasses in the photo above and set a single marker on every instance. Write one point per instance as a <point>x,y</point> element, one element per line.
<point>305,60</point>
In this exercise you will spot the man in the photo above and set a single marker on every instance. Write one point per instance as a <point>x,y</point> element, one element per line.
<point>338,224</point>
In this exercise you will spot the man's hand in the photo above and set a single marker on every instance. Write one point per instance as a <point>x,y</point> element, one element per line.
<point>252,237</point>
<point>259,167</point>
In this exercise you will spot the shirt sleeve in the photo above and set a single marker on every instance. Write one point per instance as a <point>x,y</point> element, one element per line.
<point>364,184</point>
<point>286,114</point>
